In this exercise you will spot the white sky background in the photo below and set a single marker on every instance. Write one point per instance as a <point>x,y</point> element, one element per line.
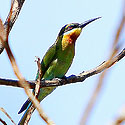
<point>35,31</point>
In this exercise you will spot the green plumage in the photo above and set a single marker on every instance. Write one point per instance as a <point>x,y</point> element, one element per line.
<point>55,64</point>
<point>57,60</point>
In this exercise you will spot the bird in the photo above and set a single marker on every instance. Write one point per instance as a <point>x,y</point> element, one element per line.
<point>57,60</point>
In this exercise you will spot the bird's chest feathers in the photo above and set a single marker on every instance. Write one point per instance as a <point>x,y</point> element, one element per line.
<point>68,40</point>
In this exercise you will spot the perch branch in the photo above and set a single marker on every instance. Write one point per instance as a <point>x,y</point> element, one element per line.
<point>71,79</point>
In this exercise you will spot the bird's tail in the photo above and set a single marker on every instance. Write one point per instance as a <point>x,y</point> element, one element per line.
<point>25,105</point>
<point>43,93</point>
<point>22,120</point>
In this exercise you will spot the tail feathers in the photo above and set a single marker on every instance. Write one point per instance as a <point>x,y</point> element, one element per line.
<point>24,107</point>
<point>23,118</point>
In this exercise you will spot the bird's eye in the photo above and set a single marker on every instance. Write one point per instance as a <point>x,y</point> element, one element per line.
<point>69,28</point>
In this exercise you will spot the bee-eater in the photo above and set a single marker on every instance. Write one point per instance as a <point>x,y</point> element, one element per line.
<point>57,59</point>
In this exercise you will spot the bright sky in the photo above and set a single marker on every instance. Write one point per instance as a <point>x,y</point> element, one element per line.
<point>36,29</point>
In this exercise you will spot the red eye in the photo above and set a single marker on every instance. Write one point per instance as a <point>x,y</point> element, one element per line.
<point>69,27</point>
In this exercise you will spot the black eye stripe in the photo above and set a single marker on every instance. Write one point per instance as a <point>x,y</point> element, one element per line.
<point>68,28</point>
<point>72,26</point>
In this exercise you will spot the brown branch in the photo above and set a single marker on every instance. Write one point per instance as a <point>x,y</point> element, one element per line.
<point>120,120</point>
<point>22,82</point>
<point>36,92</point>
<point>37,87</point>
<point>100,83</point>
<point>15,9</point>
<point>1,109</point>
<point>71,79</point>
<point>2,121</point>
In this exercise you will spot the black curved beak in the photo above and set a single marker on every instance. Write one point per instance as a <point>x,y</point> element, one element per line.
<point>87,22</point>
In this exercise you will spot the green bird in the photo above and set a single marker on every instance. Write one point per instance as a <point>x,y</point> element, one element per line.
<point>57,60</point>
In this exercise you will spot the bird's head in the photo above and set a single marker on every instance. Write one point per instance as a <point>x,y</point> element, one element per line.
<point>72,31</point>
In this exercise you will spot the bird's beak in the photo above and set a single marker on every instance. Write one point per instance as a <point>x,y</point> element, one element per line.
<point>87,22</point>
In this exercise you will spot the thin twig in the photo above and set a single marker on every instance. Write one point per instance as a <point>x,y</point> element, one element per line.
<point>2,109</point>
<point>36,92</point>
<point>15,9</point>
<point>70,79</point>
<point>120,119</point>
<point>21,78</point>
<point>2,121</point>
<point>100,83</point>
<point>37,87</point>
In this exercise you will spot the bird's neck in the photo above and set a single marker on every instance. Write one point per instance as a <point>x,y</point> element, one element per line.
<point>69,40</point>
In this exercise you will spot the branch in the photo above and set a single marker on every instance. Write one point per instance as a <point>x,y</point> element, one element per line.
<point>22,82</point>
<point>1,109</point>
<point>36,92</point>
<point>2,121</point>
<point>114,50</point>
<point>16,6</point>
<point>71,79</point>
<point>120,118</point>
<point>37,87</point>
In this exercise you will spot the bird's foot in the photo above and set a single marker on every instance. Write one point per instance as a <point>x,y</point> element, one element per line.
<point>62,80</point>
<point>64,77</point>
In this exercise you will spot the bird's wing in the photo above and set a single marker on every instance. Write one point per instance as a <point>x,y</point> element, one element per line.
<point>47,59</point>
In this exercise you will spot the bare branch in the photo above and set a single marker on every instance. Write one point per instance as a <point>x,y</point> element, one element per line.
<point>36,92</point>
<point>37,87</point>
<point>120,118</point>
<point>1,109</point>
<point>2,121</point>
<point>16,6</point>
<point>100,83</point>
<point>22,82</point>
<point>71,79</point>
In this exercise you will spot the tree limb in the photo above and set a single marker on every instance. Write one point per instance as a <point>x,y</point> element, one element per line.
<point>114,50</point>
<point>22,82</point>
<point>3,122</point>
<point>16,6</point>
<point>71,79</point>
<point>3,110</point>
